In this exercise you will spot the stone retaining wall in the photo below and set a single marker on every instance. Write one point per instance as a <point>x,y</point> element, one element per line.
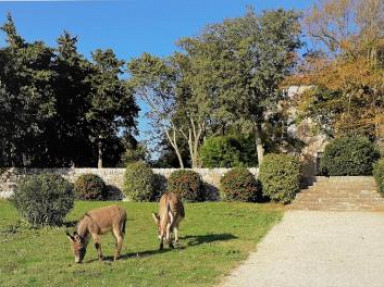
<point>113,177</point>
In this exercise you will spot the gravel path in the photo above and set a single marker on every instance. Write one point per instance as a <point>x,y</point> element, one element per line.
<point>313,249</point>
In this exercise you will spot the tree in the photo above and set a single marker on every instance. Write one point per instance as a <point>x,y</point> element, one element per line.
<point>55,105</point>
<point>346,67</point>
<point>154,81</point>
<point>68,131</point>
<point>26,97</point>
<point>229,74</point>
<point>240,63</point>
<point>112,104</point>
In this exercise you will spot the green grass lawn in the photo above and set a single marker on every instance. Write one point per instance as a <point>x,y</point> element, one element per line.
<point>214,238</point>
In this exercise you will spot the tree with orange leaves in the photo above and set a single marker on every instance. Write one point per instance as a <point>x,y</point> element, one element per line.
<point>347,68</point>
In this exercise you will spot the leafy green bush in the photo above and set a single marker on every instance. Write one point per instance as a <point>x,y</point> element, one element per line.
<point>90,187</point>
<point>186,184</point>
<point>349,156</point>
<point>240,184</point>
<point>139,182</point>
<point>228,151</point>
<point>378,173</point>
<point>280,177</point>
<point>44,199</point>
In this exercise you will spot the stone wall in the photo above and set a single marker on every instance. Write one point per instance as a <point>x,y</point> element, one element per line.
<point>113,177</point>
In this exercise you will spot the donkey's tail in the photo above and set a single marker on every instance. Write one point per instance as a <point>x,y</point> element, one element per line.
<point>124,223</point>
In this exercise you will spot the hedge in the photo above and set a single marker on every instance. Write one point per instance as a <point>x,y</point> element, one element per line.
<point>44,199</point>
<point>239,184</point>
<point>90,187</point>
<point>186,184</point>
<point>139,182</point>
<point>378,173</point>
<point>349,156</point>
<point>280,177</point>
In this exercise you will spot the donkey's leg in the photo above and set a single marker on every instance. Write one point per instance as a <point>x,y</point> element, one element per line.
<point>169,238</point>
<point>119,243</point>
<point>97,240</point>
<point>176,231</point>
<point>161,243</point>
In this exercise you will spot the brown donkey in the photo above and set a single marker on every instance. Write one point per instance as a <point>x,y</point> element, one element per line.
<point>171,213</point>
<point>95,223</point>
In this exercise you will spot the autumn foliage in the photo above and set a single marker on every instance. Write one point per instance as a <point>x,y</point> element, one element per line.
<point>346,68</point>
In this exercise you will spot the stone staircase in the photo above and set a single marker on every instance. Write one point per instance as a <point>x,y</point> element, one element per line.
<point>339,193</point>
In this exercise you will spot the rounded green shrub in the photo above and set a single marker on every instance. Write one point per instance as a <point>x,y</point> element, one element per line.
<point>90,187</point>
<point>240,184</point>
<point>139,182</point>
<point>186,184</point>
<point>378,173</point>
<point>44,199</point>
<point>349,156</point>
<point>228,151</point>
<point>280,177</point>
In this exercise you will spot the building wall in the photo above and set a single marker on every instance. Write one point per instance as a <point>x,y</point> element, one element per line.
<point>306,131</point>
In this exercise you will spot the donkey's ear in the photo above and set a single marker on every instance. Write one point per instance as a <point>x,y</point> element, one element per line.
<point>77,237</point>
<point>70,237</point>
<point>156,217</point>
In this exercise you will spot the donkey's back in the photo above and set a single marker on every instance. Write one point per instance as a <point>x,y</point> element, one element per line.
<point>171,201</point>
<point>108,218</point>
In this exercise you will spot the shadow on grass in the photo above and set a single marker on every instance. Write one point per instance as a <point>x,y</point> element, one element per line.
<point>201,239</point>
<point>193,240</point>
<point>126,256</point>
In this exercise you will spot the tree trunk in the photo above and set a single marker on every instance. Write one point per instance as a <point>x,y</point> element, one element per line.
<point>100,160</point>
<point>259,144</point>
<point>173,142</point>
<point>178,154</point>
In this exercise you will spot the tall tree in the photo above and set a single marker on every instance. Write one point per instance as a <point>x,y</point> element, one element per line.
<point>241,62</point>
<point>155,82</point>
<point>55,104</point>
<point>112,104</point>
<point>26,97</point>
<point>68,131</point>
<point>346,68</point>
<point>229,74</point>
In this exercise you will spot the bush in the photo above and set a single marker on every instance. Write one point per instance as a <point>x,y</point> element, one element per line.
<point>44,199</point>
<point>378,173</point>
<point>228,151</point>
<point>90,187</point>
<point>240,184</point>
<point>349,156</point>
<point>139,182</point>
<point>186,184</point>
<point>280,177</point>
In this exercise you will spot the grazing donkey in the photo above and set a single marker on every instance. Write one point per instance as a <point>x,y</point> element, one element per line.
<point>95,223</point>
<point>171,212</point>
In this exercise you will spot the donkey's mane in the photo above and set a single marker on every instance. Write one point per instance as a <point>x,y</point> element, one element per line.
<point>80,228</point>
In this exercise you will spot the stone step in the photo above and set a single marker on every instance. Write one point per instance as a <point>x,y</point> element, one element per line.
<point>340,194</point>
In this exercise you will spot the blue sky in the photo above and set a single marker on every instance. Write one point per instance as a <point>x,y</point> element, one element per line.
<point>129,27</point>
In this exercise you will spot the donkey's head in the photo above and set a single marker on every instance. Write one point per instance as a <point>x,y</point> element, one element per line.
<point>79,246</point>
<point>156,218</point>
<point>163,222</point>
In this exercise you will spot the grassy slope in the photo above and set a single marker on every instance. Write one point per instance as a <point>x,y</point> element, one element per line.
<point>214,238</point>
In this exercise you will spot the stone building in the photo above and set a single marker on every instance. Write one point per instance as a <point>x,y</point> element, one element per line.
<point>314,141</point>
